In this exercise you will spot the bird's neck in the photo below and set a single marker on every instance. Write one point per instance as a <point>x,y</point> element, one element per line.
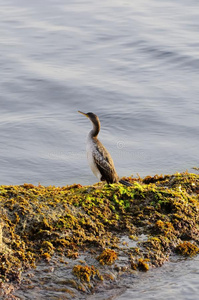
<point>96,129</point>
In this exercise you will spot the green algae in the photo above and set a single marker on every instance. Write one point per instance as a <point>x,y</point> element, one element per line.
<point>38,221</point>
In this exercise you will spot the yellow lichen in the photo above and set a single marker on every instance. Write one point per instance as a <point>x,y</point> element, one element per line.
<point>142,265</point>
<point>107,257</point>
<point>85,273</point>
<point>187,249</point>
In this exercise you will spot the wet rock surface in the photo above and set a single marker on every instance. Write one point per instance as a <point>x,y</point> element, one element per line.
<point>72,241</point>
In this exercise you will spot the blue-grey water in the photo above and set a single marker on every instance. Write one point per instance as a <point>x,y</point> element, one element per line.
<point>133,63</point>
<point>171,282</point>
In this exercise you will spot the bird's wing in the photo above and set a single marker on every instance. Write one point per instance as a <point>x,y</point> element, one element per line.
<point>105,164</point>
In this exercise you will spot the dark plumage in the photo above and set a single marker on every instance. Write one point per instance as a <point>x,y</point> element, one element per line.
<point>99,159</point>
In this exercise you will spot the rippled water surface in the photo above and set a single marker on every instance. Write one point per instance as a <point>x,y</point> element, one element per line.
<point>175,280</point>
<point>133,63</point>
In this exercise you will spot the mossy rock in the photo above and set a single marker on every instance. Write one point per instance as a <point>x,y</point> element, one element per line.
<point>39,222</point>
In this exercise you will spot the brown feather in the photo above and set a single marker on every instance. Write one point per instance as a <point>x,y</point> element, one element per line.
<point>104,163</point>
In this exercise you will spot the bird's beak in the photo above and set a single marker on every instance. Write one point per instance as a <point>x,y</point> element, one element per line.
<point>82,113</point>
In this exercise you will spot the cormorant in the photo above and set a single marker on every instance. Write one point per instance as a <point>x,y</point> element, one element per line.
<point>99,159</point>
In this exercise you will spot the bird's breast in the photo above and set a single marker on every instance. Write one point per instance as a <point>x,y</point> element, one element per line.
<point>91,151</point>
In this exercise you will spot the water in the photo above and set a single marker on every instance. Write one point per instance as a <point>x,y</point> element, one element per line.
<point>172,281</point>
<point>134,63</point>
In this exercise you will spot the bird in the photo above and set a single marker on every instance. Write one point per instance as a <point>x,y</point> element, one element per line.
<point>99,159</point>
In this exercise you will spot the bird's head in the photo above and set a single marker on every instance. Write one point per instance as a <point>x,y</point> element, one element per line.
<point>94,118</point>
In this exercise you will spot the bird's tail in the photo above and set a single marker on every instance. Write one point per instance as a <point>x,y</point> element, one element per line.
<point>124,182</point>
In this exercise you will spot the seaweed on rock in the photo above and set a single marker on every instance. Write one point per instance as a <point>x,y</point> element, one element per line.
<point>38,222</point>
